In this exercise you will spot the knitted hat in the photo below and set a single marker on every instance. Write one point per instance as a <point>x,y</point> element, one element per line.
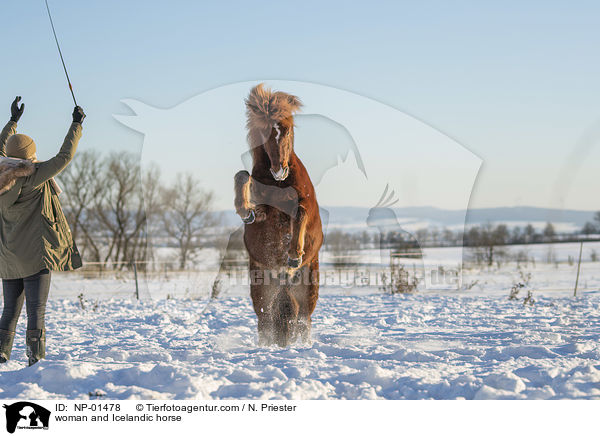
<point>20,146</point>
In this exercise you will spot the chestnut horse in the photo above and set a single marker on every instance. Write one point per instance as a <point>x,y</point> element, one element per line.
<point>282,231</point>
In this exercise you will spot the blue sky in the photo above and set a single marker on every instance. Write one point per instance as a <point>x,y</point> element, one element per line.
<point>517,83</point>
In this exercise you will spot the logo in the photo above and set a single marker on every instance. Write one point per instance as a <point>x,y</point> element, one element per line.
<point>26,416</point>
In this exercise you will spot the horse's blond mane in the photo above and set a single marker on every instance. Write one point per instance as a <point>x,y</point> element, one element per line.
<point>265,108</point>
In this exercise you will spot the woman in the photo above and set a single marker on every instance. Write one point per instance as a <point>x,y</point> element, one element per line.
<point>34,236</point>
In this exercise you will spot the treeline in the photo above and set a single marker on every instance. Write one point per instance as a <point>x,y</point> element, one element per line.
<point>593,227</point>
<point>109,200</point>
<point>485,243</point>
<point>474,236</point>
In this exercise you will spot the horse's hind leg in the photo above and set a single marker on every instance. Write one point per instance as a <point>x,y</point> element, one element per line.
<point>312,297</point>
<point>263,291</point>
<point>306,291</point>
<point>285,317</point>
<point>265,322</point>
<point>285,312</point>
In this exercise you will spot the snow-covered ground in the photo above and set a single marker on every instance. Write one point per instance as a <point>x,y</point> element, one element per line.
<point>473,344</point>
<point>367,347</point>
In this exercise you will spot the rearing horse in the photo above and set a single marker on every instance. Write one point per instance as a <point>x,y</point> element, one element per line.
<point>282,232</point>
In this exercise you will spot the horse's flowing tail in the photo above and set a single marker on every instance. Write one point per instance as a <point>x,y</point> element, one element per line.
<point>285,316</point>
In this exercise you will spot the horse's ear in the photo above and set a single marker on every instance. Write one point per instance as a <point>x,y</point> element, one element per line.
<point>294,102</point>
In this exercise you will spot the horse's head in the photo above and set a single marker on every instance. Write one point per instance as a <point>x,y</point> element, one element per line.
<point>271,125</point>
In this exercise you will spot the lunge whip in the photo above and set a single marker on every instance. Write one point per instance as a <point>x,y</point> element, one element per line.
<point>60,53</point>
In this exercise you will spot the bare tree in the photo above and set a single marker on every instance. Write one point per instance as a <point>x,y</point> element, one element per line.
<point>84,183</point>
<point>365,239</point>
<point>589,229</point>
<point>422,236</point>
<point>186,214</point>
<point>434,233</point>
<point>343,248</point>
<point>151,192</point>
<point>487,241</point>
<point>530,234</point>
<point>120,208</point>
<point>549,232</point>
<point>449,237</point>
<point>592,227</point>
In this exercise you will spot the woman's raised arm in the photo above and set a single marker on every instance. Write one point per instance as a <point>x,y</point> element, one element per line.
<point>50,168</point>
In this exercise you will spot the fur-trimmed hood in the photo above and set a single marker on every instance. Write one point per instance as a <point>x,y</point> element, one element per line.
<point>265,108</point>
<point>11,169</point>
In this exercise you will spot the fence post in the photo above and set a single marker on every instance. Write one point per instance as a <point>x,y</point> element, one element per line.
<point>137,286</point>
<point>578,268</point>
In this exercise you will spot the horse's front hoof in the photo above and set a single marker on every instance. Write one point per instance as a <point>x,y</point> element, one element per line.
<point>250,218</point>
<point>241,177</point>
<point>294,263</point>
<point>264,341</point>
<point>260,213</point>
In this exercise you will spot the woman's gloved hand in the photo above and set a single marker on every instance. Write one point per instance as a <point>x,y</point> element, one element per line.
<point>78,115</point>
<point>15,110</point>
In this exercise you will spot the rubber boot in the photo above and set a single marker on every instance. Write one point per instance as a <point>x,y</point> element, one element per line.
<point>6,343</point>
<point>36,345</point>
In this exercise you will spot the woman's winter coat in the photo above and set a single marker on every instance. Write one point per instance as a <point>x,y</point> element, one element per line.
<point>34,233</point>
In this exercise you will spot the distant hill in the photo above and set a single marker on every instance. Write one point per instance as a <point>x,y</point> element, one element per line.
<point>525,213</point>
<point>354,218</point>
